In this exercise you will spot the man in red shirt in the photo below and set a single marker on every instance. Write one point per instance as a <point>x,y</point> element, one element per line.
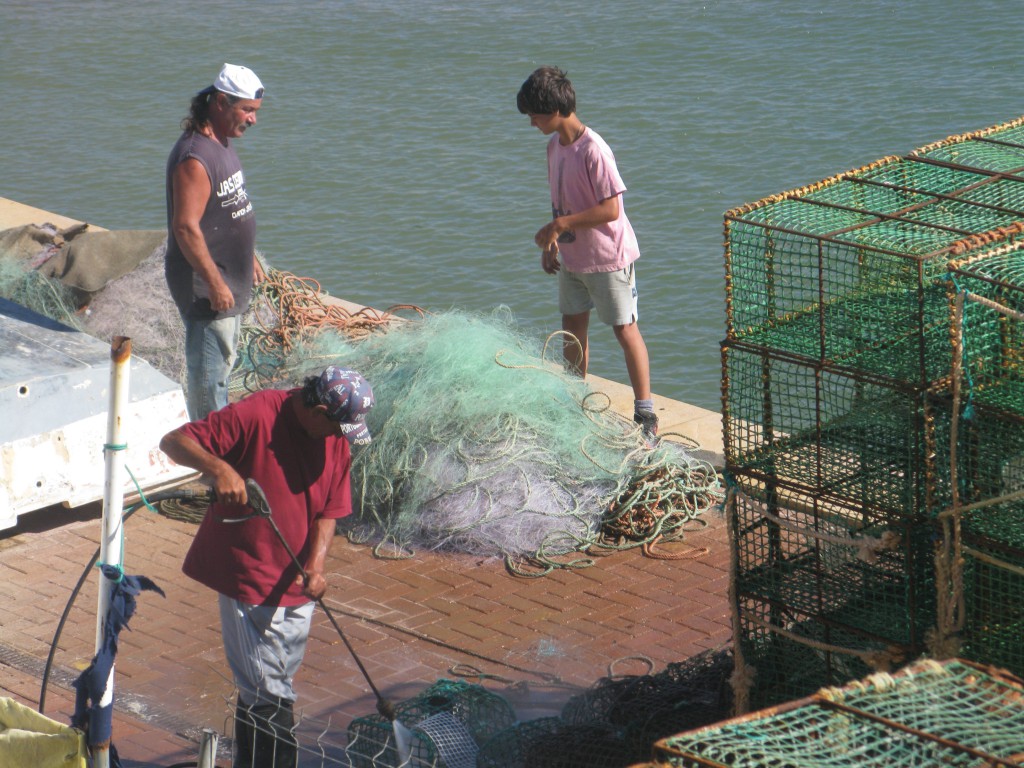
<point>296,445</point>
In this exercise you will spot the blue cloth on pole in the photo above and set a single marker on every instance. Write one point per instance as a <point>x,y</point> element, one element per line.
<point>94,699</point>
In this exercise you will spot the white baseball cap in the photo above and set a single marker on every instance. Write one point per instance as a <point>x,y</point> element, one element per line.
<point>236,80</point>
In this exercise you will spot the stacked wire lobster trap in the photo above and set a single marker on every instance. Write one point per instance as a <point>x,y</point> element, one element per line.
<point>873,408</point>
<point>928,714</point>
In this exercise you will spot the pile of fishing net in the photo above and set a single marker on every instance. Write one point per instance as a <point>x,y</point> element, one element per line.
<point>481,445</point>
<point>103,283</point>
<point>612,724</point>
<point>617,720</point>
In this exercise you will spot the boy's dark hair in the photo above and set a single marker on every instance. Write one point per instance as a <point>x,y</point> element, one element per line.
<point>545,92</point>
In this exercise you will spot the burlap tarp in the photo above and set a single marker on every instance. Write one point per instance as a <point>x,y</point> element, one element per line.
<point>83,259</point>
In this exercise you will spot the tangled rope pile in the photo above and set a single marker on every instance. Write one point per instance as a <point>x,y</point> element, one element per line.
<point>657,505</point>
<point>287,311</point>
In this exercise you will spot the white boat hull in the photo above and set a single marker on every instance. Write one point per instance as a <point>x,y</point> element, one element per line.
<point>54,391</point>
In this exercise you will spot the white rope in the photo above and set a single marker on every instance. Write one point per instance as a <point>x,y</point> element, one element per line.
<point>881,661</point>
<point>867,546</point>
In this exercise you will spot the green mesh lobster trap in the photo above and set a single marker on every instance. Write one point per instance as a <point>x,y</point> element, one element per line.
<point>877,445</point>
<point>806,553</point>
<point>981,557</point>
<point>989,574</point>
<point>822,592</point>
<point>989,326</point>
<point>448,722</point>
<point>783,654</point>
<point>873,389</point>
<point>848,272</point>
<point>928,714</point>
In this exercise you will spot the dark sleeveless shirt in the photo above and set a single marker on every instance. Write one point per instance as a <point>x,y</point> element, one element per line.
<point>228,225</point>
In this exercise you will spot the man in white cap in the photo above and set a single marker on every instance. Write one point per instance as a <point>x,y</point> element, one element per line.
<point>296,445</point>
<point>211,262</point>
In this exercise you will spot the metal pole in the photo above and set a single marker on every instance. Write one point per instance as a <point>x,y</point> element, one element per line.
<point>208,749</point>
<point>113,499</point>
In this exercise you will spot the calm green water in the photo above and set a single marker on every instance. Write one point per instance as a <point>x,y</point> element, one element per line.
<point>390,162</point>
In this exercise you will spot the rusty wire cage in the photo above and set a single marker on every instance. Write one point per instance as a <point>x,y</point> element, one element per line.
<point>879,445</point>
<point>991,328</point>
<point>848,272</point>
<point>824,591</point>
<point>982,550</point>
<point>873,385</point>
<point>950,714</point>
<point>992,580</point>
<point>852,288</point>
<point>804,552</point>
<point>448,721</point>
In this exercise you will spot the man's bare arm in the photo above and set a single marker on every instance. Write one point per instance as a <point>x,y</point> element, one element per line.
<point>322,534</point>
<point>227,483</point>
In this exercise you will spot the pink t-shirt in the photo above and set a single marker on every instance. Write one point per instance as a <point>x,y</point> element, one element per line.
<point>303,478</point>
<point>581,175</point>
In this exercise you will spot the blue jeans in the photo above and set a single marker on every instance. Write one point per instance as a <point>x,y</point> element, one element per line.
<point>210,353</point>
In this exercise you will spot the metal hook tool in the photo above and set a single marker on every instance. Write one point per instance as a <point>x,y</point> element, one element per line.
<point>257,500</point>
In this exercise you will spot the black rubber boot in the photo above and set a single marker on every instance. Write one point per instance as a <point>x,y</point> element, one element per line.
<point>244,737</point>
<point>274,745</point>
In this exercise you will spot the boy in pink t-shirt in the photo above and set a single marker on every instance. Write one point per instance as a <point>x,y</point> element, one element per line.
<point>590,231</point>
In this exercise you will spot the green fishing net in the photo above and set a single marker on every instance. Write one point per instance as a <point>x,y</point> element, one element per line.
<point>482,444</point>
<point>31,289</point>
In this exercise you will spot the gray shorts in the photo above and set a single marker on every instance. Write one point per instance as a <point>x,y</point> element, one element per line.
<point>612,294</point>
<point>264,646</point>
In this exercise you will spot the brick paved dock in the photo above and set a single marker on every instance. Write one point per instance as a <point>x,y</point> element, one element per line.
<point>413,621</point>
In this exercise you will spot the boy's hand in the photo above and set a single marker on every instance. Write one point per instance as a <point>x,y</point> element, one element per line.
<point>549,259</point>
<point>548,234</point>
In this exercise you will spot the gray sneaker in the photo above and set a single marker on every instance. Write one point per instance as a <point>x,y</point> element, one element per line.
<point>648,421</point>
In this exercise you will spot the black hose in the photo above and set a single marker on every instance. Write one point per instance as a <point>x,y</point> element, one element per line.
<point>156,497</point>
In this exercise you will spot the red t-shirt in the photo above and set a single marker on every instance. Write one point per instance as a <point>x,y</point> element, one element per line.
<point>303,478</point>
